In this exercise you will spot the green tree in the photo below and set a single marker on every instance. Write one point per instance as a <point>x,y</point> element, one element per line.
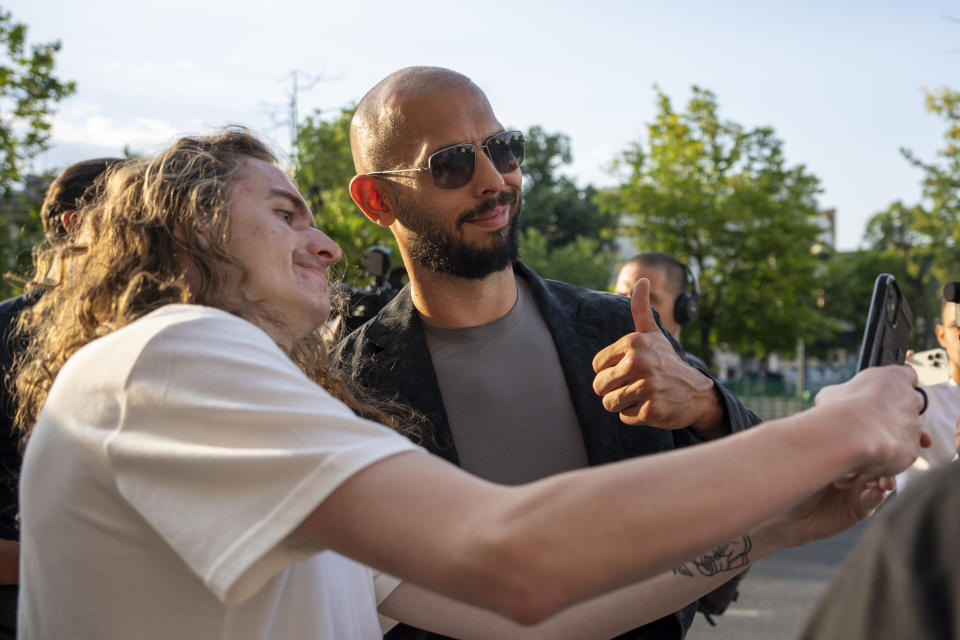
<point>919,242</point>
<point>564,233</point>
<point>578,262</point>
<point>324,173</point>
<point>722,198</point>
<point>941,180</point>
<point>552,202</point>
<point>28,93</point>
<point>912,257</point>
<point>847,285</point>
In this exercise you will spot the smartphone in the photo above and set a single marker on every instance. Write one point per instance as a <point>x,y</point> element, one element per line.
<point>889,323</point>
<point>931,366</point>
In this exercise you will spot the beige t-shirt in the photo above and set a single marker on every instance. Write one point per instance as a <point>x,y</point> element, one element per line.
<point>171,462</point>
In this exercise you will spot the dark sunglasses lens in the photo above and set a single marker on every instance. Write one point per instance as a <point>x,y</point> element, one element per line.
<point>506,151</point>
<point>452,167</point>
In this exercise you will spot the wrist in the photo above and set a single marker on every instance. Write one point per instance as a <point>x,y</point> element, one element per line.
<point>712,421</point>
<point>772,536</point>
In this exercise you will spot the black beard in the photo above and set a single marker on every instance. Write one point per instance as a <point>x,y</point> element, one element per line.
<point>445,252</point>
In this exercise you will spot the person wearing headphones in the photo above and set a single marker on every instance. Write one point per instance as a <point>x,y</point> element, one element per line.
<point>674,291</point>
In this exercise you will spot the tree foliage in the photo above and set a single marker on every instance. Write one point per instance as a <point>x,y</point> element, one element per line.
<point>919,242</point>
<point>847,286</point>
<point>564,233</point>
<point>552,202</point>
<point>722,198</point>
<point>323,175</point>
<point>29,91</point>
<point>578,262</point>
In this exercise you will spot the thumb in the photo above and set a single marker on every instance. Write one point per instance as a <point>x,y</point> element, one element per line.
<point>640,307</point>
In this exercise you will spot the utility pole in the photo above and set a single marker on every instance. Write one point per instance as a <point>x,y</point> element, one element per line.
<point>293,116</point>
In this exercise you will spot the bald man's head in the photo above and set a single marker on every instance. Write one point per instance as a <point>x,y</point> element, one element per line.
<point>379,128</point>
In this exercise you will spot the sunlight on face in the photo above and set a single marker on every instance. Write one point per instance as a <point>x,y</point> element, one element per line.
<point>272,234</point>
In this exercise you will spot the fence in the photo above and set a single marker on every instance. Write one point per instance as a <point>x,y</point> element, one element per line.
<point>770,399</point>
<point>773,407</point>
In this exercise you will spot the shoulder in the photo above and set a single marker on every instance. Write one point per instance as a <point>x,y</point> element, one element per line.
<point>11,307</point>
<point>193,326</point>
<point>571,298</point>
<point>14,305</point>
<point>188,339</point>
<point>389,328</point>
<point>901,570</point>
<point>927,512</point>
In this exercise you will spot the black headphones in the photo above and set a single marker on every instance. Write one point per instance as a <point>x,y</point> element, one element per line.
<point>685,307</point>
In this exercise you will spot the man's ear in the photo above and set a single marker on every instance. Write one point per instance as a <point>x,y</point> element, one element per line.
<point>366,192</point>
<point>941,332</point>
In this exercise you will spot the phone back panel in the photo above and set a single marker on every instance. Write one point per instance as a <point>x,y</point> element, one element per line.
<point>889,323</point>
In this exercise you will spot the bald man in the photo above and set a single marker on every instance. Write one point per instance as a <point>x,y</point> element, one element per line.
<point>500,361</point>
<point>670,292</point>
<point>668,282</point>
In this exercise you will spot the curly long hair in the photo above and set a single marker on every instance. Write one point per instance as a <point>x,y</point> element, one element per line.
<point>125,261</point>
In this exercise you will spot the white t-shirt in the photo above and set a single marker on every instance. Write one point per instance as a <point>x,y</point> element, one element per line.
<point>169,465</point>
<point>940,421</point>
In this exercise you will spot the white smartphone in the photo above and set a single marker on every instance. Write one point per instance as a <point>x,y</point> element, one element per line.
<point>931,366</point>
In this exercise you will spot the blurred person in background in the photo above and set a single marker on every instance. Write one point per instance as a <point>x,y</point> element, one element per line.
<point>943,409</point>
<point>902,580</point>
<point>674,292</point>
<point>63,198</point>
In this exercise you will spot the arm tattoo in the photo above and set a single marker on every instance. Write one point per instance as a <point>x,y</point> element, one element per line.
<point>732,556</point>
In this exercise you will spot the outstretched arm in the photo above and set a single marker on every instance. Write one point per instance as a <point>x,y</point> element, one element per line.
<point>529,552</point>
<point>614,613</point>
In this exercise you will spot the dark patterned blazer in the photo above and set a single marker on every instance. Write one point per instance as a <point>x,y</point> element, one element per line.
<point>389,354</point>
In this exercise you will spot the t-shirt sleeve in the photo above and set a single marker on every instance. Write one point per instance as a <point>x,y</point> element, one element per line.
<point>224,447</point>
<point>384,584</point>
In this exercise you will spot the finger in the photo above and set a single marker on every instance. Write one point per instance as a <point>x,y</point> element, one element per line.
<point>870,499</point>
<point>613,375</point>
<point>632,367</point>
<point>911,373</point>
<point>612,354</point>
<point>622,398</point>
<point>641,309</point>
<point>909,355</point>
<point>847,481</point>
<point>887,483</point>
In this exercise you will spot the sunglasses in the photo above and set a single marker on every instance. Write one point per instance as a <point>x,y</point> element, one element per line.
<point>453,167</point>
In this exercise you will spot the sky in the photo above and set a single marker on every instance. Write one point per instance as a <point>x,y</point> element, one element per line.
<point>841,83</point>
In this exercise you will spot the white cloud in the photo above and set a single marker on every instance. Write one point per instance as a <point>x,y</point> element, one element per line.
<point>85,124</point>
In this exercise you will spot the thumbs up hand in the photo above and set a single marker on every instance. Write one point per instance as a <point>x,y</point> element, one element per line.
<point>642,378</point>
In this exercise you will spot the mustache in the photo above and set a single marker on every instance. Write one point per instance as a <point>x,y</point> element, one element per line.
<point>505,197</point>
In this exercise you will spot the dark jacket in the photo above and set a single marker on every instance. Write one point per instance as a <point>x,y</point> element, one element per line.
<point>389,354</point>
<point>10,347</point>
